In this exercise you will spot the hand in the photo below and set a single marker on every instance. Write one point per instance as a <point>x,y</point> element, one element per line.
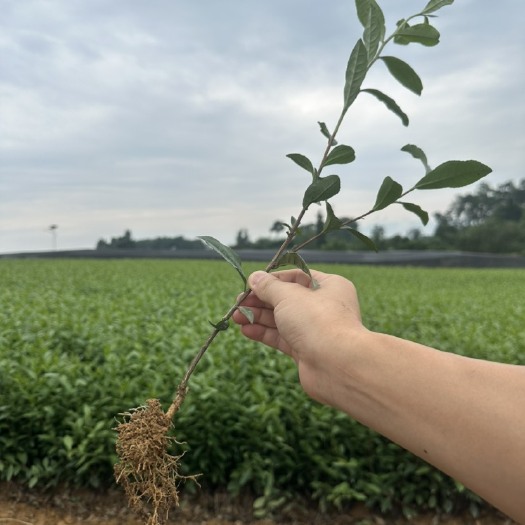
<point>308,325</point>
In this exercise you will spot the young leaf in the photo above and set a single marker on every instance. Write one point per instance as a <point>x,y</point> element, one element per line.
<point>293,220</point>
<point>326,133</point>
<point>423,34</point>
<point>340,155</point>
<point>414,208</point>
<point>389,103</point>
<point>331,222</point>
<point>388,193</point>
<point>302,161</point>
<point>434,5</point>
<point>321,189</point>
<point>294,259</point>
<point>453,174</point>
<point>404,74</point>
<point>355,73</point>
<point>417,153</point>
<point>372,19</point>
<point>226,253</point>
<point>247,312</point>
<point>362,237</point>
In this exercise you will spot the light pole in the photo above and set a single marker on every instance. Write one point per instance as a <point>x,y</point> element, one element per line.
<point>53,230</point>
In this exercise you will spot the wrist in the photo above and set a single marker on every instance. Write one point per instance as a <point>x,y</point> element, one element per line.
<point>339,364</point>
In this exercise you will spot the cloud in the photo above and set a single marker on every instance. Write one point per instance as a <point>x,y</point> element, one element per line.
<point>175,118</point>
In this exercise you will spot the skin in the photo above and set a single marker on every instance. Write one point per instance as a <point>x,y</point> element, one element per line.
<point>464,416</point>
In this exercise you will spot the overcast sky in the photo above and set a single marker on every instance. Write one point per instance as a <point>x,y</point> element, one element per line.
<point>173,117</point>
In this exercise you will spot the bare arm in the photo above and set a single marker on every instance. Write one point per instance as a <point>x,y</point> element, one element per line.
<point>464,416</point>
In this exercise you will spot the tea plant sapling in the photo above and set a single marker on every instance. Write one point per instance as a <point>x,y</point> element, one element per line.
<point>147,471</point>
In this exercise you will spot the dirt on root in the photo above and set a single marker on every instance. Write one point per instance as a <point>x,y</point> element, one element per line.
<point>22,506</point>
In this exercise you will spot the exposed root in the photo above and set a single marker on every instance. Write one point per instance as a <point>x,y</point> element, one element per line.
<point>148,473</point>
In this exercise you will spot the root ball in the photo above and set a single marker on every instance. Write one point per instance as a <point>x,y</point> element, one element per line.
<point>147,472</point>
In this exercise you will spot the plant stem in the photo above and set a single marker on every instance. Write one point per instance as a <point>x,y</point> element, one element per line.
<point>182,389</point>
<point>331,141</point>
<point>344,223</point>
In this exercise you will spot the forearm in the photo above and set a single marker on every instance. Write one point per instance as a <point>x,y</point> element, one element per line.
<point>465,416</point>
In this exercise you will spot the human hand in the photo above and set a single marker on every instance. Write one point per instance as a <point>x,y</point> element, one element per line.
<point>306,324</point>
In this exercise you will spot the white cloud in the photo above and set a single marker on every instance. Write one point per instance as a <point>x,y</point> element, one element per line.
<point>175,118</point>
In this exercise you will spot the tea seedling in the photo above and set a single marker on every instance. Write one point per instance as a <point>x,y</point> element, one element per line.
<point>149,474</point>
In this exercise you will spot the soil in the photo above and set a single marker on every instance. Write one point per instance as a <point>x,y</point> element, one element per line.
<point>22,506</point>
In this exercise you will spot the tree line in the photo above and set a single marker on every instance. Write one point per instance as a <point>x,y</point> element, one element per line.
<point>490,220</point>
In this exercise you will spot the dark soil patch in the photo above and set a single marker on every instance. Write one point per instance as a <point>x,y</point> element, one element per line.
<point>22,506</point>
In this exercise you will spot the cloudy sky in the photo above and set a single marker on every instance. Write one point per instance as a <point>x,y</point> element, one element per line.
<point>173,117</point>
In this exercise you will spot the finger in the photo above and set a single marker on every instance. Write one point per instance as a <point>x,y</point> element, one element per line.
<point>262,316</point>
<point>288,276</point>
<point>274,288</point>
<point>300,277</point>
<point>253,301</point>
<point>267,336</point>
<point>258,308</point>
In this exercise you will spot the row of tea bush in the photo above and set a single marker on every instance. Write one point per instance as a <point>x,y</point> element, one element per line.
<point>83,341</point>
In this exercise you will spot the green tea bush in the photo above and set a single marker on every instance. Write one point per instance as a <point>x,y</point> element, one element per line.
<point>81,339</point>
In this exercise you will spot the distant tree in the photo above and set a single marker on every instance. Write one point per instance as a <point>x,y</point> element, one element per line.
<point>446,232</point>
<point>159,243</point>
<point>490,220</point>
<point>510,202</point>
<point>504,203</point>
<point>243,239</point>
<point>266,243</point>
<point>120,243</point>
<point>277,227</point>
<point>102,245</point>
<point>493,237</point>
<point>378,235</point>
<point>123,243</point>
<point>319,225</point>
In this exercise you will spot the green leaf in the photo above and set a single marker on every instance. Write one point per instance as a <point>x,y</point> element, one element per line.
<point>355,73</point>
<point>434,5</point>
<point>389,103</point>
<point>372,19</point>
<point>388,193</point>
<point>404,74</point>
<point>302,161</point>
<point>414,208</point>
<point>367,241</point>
<point>247,312</point>
<point>417,153</point>
<point>32,482</point>
<point>226,253</point>
<point>331,222</point>
<point>340,155</point>
<point>294,259</point>
<point>423,34</point>
<point>68,442</point>
<point>453,174</point>
<point>222,325</point>
<point>321,189</point>
<point>326,133</point>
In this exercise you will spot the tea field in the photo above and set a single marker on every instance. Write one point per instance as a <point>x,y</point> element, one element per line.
<point>84,340</point>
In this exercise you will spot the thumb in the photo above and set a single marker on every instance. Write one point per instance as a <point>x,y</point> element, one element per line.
<point>268,288</point>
